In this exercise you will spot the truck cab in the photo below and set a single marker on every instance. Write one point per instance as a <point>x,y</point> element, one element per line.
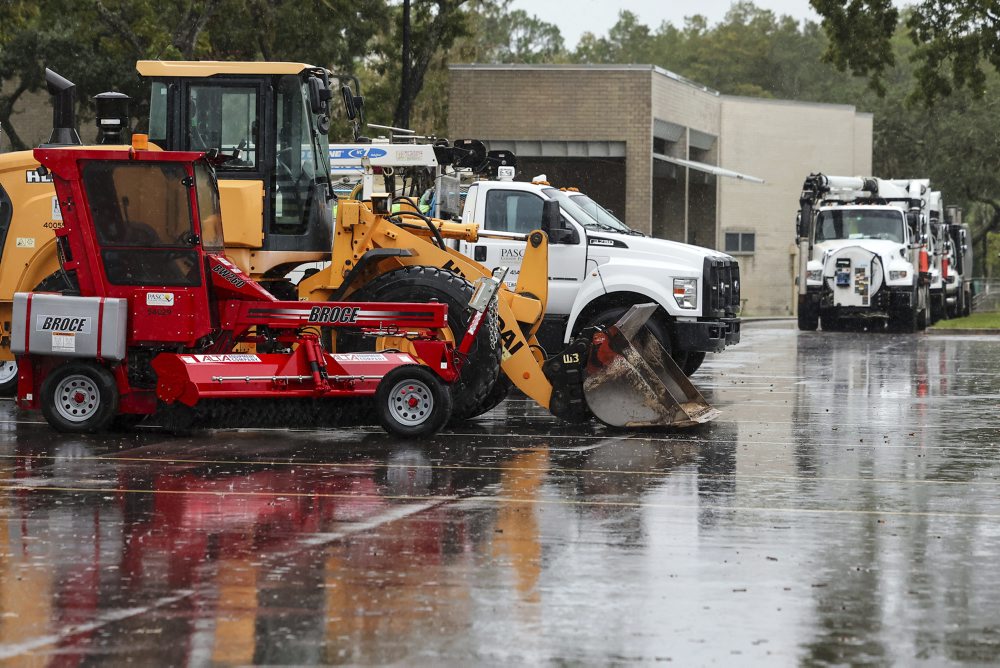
<point>866,250</point>
<point>598,266</point>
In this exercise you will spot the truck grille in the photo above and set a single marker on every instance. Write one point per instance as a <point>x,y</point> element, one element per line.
<point>722,288</point>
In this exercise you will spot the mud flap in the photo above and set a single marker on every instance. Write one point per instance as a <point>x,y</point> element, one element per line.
<point>630,381</point>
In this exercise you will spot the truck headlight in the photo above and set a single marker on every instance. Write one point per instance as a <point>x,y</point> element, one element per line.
<point>814,275</point>
<point>686,292</point>
<point>897,275</point>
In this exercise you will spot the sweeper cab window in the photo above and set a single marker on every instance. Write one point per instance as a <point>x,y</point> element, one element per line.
<point>142,219</point>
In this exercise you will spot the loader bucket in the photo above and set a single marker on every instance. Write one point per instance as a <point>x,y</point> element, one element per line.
<point>630,381</point>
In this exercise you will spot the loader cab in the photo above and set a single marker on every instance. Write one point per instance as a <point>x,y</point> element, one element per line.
<point>271,120</point>
<point>138,226</point>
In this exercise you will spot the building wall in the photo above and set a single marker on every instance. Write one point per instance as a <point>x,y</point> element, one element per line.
<point>781,142</point>
<point>778,141</point>
<point>561,103</point>
<point>681,202</point>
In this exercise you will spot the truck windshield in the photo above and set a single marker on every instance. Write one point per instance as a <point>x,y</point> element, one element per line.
<point>859,224</point>
<point>599,213</point>
<point>578,214</point>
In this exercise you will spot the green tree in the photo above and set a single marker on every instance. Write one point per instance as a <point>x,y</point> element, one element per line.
<point>628,41</point>
<point>96,43</point>
<point>497,34</point>
<point>429,27</point>
<point>953,39</point>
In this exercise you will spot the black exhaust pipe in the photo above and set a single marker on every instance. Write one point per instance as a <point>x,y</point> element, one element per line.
<point>63,93</point>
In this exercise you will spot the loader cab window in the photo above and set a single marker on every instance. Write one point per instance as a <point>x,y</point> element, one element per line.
<point>142,218</point>
<point>860,224</point>
<point>158,113</point>
<point>224,118</point>
<point>301,169</point>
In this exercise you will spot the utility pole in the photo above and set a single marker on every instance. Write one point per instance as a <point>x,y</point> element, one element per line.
<point>402,119</point>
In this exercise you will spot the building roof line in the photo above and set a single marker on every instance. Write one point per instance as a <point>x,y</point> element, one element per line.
<point>563,67</point>
<point>801,103</point>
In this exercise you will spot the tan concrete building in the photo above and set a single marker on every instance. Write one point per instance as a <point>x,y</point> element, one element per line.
<point>669,156</point>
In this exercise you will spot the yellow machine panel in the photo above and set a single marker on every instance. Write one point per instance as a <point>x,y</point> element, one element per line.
<point>242,212</point>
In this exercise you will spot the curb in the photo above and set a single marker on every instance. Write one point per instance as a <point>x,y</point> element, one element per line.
<point>962,332</point>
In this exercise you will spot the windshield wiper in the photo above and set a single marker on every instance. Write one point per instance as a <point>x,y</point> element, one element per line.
<point>603,226</point>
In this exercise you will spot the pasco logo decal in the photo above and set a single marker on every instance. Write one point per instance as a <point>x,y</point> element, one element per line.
<point>229,275</point>
<point>32,176</point>
<point>333,314</point>
<point>159,299</point>
<point>356,153</point>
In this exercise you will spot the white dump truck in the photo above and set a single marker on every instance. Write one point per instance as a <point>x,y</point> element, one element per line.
<point>598,266</point>
<point>865,252</point>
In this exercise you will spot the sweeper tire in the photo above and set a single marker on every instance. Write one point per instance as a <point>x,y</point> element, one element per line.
<point>79,398</point>
<point>412,402</point>
<point>423,284</point>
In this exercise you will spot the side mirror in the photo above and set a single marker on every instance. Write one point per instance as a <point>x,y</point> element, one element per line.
<point>912,220</point>
<point>553,224</point>
<point>551,216</point>
<point>349,108</point>
<point>798,226</point>
<point>319,96</point>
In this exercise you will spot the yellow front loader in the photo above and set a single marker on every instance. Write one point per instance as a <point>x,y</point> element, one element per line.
<point>615,374</point>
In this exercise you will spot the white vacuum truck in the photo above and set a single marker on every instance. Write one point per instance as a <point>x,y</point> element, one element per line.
<point>864,252</point>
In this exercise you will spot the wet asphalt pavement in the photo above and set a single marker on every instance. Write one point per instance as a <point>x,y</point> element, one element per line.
<point>843,509</point>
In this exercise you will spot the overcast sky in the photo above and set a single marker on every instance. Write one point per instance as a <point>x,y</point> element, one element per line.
<point>575,17</point>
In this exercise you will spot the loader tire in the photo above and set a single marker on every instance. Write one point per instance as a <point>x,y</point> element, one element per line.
<point>412,402</point>
<point>495,396</point>
<point>79,398</point>
<point>424,284</point>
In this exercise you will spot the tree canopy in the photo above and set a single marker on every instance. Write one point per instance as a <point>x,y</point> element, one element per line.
<point>929,74</point>
<point>954,39</point>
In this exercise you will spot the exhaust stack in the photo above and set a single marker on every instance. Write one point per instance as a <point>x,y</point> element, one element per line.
<point>63,92</point>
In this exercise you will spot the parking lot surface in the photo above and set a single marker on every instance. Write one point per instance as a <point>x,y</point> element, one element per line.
<point>844,508</point>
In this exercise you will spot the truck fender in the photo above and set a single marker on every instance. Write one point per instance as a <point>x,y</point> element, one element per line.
<point>626,280</point>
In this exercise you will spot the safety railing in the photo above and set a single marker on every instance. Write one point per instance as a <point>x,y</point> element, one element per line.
<point>986,294</point>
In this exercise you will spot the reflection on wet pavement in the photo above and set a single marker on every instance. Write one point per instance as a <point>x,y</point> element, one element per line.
<point>844,509</point>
